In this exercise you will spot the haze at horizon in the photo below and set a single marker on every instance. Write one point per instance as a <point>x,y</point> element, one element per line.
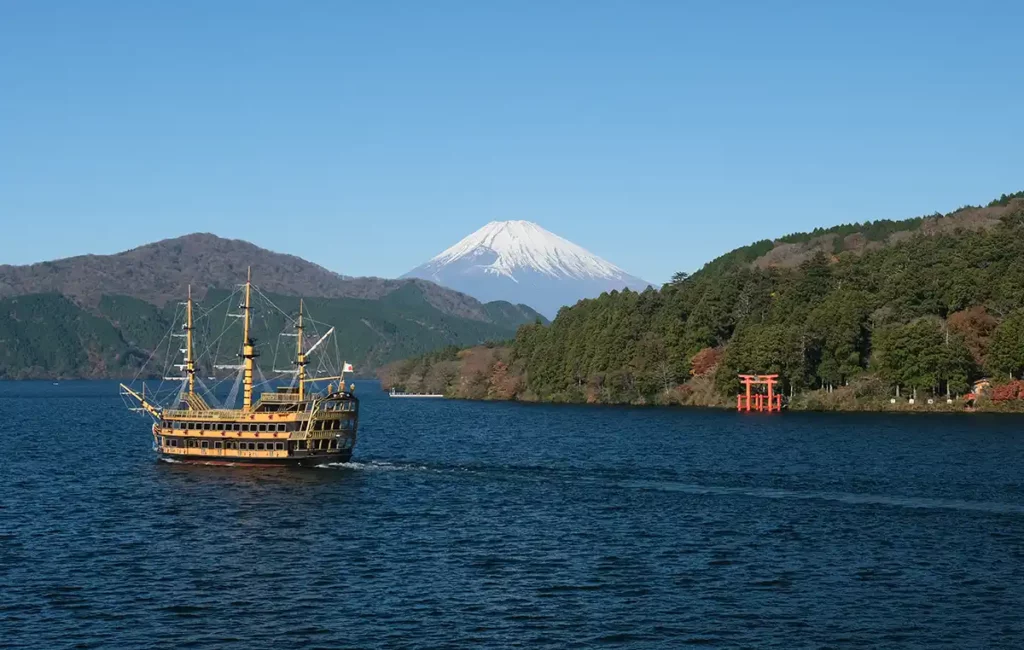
<point>657,135</point>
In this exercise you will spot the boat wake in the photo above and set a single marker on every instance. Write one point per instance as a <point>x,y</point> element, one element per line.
<point>375,466</point>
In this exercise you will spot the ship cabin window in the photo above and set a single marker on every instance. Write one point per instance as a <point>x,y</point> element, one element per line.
<point>263,427</point>
<point>279,446</point>
<point>206,444</point>
<point>259,445</point>
<point>173,443</point>
<point>229,445</point>
<point>301,444</point>
<point>252,446</point>
<point>334,444</point>
<point>192,443</point>
<point>218,445</point>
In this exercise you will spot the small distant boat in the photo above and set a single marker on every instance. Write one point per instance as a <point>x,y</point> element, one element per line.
<point>395,393</point>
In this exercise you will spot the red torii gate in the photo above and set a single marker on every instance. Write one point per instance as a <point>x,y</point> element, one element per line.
<point>747,401</point>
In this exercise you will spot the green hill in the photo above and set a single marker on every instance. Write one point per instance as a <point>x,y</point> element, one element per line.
<point>926,304</point>
<point>48,335</point>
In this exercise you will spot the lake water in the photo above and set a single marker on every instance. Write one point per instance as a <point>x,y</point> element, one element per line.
<point>502,525</point>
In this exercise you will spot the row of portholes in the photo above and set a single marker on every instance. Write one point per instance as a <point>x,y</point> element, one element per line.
<point>327,444</point>
<point>217,444</point>
<point>226,426</point>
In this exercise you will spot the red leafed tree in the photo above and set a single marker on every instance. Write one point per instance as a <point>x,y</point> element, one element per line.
<point>1010,391</point>
<point>705,361</point>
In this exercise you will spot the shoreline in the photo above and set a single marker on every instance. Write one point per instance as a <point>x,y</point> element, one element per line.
<point>984,407</point>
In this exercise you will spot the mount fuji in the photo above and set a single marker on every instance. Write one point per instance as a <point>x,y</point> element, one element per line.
<point>520,262</point>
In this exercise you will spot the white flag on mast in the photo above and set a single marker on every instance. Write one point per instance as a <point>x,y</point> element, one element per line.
<point>347,368</point>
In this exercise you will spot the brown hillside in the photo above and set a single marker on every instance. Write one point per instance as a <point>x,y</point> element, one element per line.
<point>161,272</point>
<point>791,255</point>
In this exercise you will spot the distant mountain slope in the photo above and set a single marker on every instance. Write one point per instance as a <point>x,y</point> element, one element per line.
<point>521,262</point>
<point>99,316</point>
<point>48,335</point>
<point>161,271</point>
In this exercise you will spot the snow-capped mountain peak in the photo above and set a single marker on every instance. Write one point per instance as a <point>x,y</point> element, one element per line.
<point>503,247</point>
<point>521,262</point>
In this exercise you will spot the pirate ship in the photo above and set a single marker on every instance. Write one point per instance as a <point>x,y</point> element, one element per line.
<point>298,419</point>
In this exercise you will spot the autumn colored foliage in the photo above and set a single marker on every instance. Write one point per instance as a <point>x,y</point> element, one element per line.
<point>706,361</point>
<point>1006,392</point>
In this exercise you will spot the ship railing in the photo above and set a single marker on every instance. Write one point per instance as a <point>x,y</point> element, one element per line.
<point>210,414</point>
<point>279,397</point>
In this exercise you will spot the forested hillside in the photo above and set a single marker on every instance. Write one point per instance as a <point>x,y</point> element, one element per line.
<point>49,335</point>
<point>927,304</point>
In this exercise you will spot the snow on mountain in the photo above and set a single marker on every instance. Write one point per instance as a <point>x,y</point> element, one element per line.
<point>521,262</point>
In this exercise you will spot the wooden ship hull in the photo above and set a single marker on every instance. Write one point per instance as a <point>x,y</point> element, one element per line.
<point>289,425</point>
<point>316,460</point>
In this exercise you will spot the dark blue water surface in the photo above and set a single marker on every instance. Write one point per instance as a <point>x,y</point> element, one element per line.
<point>499,525</point>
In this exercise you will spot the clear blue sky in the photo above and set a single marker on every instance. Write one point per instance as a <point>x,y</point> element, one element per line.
<point>369,136</point>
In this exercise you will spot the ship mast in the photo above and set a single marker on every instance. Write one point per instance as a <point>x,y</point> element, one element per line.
<point>248,354</point>
<point>190,366</point>
<point>300,358</point>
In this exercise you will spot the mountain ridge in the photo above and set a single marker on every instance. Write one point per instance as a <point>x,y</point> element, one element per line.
<point>102,315</point>
<point>161,271</point>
